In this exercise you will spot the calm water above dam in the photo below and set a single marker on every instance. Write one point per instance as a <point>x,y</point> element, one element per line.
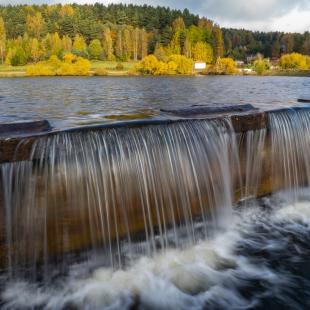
<point>159,216</point>
<point>69,102</point>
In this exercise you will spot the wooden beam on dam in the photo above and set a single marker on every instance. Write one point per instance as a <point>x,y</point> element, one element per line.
<point>70,229</point>
<point>17,139</point>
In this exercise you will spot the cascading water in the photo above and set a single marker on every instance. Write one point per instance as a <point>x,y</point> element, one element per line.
<point>102,189</point>
<point>154,209</point>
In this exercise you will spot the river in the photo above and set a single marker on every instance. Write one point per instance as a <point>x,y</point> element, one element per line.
<point>251,254</point>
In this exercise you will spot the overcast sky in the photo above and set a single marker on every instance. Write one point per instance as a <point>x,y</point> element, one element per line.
<point>283,15</point>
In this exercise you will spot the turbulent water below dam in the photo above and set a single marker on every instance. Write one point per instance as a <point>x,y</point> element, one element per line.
<point>260,261</point>
<point>184,215</point>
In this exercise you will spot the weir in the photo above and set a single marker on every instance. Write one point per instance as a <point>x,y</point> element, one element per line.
<point>102,187</point>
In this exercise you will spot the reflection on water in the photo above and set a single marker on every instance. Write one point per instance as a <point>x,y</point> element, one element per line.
<point>69,102</point>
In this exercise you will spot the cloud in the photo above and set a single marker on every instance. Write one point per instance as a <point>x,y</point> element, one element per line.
<point>283,15</point>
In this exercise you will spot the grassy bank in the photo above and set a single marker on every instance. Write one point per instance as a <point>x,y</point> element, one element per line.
<point>114,68</point>
<point>111,68</point>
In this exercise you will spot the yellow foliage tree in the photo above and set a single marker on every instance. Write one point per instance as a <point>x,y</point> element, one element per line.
<point>202,51</point>
<point>35,24</point>
<point>35,51</point>
<point>2,39</point>
<point>79,44</point>
<point>9,56</point>
<point>66,43</point>
<point>294,61</point>
<point>40,69</point>
<point>176,64</point>
<point>70,65</point>
<point>148,65</point>
<point>66,10</point>
<point>184,65</point>
<point>224,66</point>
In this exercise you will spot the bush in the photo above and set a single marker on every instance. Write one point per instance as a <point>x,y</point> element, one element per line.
<point>261,66</point>
<point>176,64</point>
<point>224,66</point>
<point>184,64</point>
<point>148,65</point>
<point>40,69</point>
<point>295,61</point>
<point>71,65</point>
<point>119,67</point>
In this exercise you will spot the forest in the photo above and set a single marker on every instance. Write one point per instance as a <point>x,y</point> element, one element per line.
<point>33,33</point>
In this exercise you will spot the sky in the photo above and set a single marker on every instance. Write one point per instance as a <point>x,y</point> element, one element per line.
<point>264,15</point>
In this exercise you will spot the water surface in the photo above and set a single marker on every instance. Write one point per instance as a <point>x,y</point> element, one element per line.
<point>69,102</point>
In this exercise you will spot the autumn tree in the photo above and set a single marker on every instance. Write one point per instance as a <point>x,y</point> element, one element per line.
<point>203,51</point>
<point>135,43</point>
<point>143,44</point>
<point>2,39</point>
<point>127,45</point>
<point>178,24</point>
<point>205,23</point>
<point>36,51</point>
<point>79,45</point>
<point>187,49</point>
<point>35,24</point>
<point>160,52</point>
<point>294,61</point>
<point>119,44</point>
<point>19,58</point>
<point>95,49</point>
<point>66,10</point>
<point>218,42</point>
<point>66,44</point>
<point>224,66</point>
<point>56,44</point>
<point>261,66</point>
<point>107,45</point>
<point>174,47</point>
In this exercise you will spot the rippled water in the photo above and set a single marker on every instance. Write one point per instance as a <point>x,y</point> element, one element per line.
<point>69,102</point>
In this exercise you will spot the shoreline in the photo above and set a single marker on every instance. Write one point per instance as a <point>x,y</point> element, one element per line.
<point>12,74</point>
<point>110,71</point>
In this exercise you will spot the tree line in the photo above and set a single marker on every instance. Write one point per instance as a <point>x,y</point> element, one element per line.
<point>33,33</point>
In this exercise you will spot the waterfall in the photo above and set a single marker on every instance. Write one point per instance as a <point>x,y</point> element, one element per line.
<point>103,190</point>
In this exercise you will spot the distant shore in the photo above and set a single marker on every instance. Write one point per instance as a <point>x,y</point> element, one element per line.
<point>116,69</point>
